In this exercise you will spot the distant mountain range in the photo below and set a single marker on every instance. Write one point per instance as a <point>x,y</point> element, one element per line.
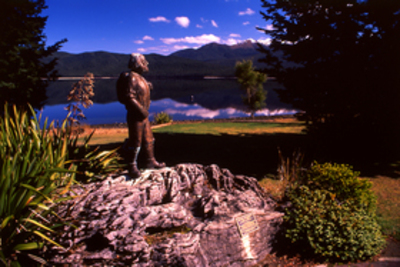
<point>223,54</point>
<point>210,60</point>
<point>176,76</point>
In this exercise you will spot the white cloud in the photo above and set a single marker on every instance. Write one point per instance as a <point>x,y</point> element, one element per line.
<point>148,38</point>
<point>270,27</point>
<point>235,35</point>
<point>214,23</point>
<point>246,23</point>
<point>157,49</point>
<point>145,38</point>
<point>159,19</point>
<point>199,26</point>
<point>202,39</point>
<point>248,11</point>
<point>183,21</point>
<point>180,47</point>
<point>232,41</point>
<point>264,41</point>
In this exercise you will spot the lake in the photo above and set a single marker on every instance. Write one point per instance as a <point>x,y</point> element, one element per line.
<point>183,99</point>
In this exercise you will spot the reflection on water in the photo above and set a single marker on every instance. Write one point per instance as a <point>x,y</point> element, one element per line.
<point>115,112</point>
<point>184,99</point>
<point>211,94</point>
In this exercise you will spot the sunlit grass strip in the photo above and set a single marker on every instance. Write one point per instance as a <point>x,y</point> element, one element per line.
<point>118,135</point>
<point>233,128</point>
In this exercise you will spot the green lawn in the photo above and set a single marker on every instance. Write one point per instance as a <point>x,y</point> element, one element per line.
<point>232,128</point>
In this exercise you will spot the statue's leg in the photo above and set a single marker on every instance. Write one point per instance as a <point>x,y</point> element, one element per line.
<point>135,128</point>
<point>148,143</point>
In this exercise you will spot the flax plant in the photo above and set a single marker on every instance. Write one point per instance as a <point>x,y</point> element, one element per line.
<point>33,178</point>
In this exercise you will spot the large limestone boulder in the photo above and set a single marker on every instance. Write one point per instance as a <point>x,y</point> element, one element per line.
<point>187,215</point>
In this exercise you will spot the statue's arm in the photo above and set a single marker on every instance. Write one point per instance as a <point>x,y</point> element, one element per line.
<point>132,101</point>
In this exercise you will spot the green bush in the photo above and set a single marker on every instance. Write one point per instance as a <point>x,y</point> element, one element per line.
<point>343,183</point>
<point>32,176</point>
<point>90,163</point>
<point>162,117</point>
<point>37,166</point>
<point>332,215</point>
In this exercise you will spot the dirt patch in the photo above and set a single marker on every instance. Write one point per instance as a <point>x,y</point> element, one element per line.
<point>392,248</point>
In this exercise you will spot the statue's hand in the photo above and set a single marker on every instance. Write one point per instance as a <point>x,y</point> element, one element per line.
<point>133,104</point>
<point>144,113</point>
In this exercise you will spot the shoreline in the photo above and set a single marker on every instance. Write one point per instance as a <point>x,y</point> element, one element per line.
<point>266,119</point>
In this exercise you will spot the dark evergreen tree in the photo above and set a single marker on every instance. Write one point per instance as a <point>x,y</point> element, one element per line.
<point>346,76</point>
<point>251,81</point>
<point>24,75</point>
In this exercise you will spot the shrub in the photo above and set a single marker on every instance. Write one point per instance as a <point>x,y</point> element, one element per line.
<point>90,163</point>
<point>290,170</point>
<point>33,173</point>
<point>94,164</point>
<point>332,215</point>
<point>344,183</point>
<point>37,166</point>
<point>162,117</point>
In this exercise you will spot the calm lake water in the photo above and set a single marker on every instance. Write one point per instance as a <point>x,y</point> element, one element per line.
<point>182,99</point>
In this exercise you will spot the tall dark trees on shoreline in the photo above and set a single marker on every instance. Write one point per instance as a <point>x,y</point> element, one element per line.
<point>23,74</point>
<point>347,79</point>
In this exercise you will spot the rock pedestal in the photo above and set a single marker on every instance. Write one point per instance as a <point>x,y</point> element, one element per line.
<point>186,215</point>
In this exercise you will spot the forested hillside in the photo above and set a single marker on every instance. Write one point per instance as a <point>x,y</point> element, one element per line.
<point>223,54</point>
<point>209,60</point>
<point>110,65</point>
<point>176,76</point>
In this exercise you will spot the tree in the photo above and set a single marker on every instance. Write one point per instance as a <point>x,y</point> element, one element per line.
<point>24,74</point>
<point>251,82</point>
<point>345,75</point>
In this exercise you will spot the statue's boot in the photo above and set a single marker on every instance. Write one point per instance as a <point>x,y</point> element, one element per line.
<point>132,165</point>
<point>151,162</point>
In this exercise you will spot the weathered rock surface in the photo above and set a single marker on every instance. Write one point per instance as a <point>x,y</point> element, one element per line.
<point>180,216</point>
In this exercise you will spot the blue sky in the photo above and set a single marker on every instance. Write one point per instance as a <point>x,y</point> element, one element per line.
<point>151,26</point>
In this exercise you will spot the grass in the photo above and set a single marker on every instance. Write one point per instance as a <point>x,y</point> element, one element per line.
<point>232,128</point>
<point>275,187</point>
<point>277,126</point>
<point>103,136</point>
<point>387,191</point>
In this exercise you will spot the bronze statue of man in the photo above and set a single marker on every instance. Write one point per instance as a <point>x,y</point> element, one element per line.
<point>134,92</point>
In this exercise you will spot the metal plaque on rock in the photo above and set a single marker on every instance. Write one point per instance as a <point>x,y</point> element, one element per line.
<point>247,224</point>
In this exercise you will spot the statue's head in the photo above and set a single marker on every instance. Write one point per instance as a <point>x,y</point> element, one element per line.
<point>138,63</point>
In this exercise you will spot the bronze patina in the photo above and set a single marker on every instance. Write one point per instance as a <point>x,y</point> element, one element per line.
<point>134,92</point>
